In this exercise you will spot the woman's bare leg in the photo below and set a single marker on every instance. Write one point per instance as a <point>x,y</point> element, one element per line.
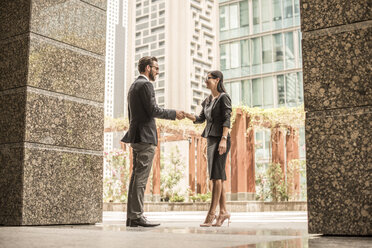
<point>216,193</point>
<point>223,199</point>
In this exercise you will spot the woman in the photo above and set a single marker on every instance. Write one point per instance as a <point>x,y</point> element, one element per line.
<point>217,111</point>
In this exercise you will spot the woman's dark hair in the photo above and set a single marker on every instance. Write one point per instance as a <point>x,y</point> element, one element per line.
<point>220,86</point>
<point>145,61</point>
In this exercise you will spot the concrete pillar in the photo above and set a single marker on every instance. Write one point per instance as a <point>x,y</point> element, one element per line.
<point>338,103</point>
<point>52,71</point>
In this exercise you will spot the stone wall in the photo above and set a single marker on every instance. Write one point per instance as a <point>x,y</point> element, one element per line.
<point>52,71</point>
<point>336,49</point>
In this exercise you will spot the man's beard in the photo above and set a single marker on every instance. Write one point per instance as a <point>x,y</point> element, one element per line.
<point>152,77</point>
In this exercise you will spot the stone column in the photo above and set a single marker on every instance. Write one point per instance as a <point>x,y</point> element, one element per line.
<point>336,51</point>
<point>52,71</point>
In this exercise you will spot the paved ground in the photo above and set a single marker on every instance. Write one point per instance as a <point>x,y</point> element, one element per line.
<point>181,229</point>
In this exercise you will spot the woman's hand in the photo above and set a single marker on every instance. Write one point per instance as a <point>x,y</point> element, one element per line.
<point>190,116</point>
<point>222,146</point>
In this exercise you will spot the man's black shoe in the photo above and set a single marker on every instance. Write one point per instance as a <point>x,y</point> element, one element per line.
<point>142,222</point>
<point>128,222</point>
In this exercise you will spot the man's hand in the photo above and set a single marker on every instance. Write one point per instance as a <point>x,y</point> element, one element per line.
<point>180,115</point>
<point>190,116</point>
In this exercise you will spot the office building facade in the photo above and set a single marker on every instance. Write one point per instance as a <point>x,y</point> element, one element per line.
<point>115,99</point>
<point>183,35</point>
<point>260,57</point>
<point>116,33</point>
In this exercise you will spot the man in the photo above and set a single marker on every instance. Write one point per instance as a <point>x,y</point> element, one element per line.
<point>142,135</point>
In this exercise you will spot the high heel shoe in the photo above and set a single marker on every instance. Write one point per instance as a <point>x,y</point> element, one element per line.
<point>221,218</point>
<point>209,220</point>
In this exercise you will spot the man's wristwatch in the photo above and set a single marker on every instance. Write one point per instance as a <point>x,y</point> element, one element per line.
<point>224,137</point>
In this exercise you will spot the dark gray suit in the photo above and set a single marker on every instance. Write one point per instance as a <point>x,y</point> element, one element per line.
<point>218,114</point>
<point>142,134</point>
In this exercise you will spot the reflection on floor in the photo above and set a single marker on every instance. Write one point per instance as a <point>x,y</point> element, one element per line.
<point>181,229</point>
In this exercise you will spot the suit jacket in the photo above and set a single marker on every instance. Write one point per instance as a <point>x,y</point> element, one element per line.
<point>221,113</point>
<point>142,109</point>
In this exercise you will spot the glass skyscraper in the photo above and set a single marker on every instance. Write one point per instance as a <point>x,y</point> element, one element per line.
<point>260,52</point>
<point>260,57</point>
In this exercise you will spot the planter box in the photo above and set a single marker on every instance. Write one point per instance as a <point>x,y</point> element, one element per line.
<point>232,206</point>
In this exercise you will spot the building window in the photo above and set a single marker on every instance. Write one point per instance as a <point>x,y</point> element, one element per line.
<point>300,88</point>
<point>244,16</point>
<point>245,54</point>
<point>281,90</point>
<point>278,52</point>
<point>235,55</point>
<point>277,13</point>
<point>266,53</point>
<point>257,92</point>
<point>299,48</point>
<point>266,15</point>
<point>246,92</point>
<point>291,89</point>
<point>256,55</point>
<point>233,89</point>
<point>289,50</point>
<point>288,13</point>
<point>256,16</point>
<point>224,57</point>
<point>234,17</point>
<point>223,18</point>
<point>268,93</point>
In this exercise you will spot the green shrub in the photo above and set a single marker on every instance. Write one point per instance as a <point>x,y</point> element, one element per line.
<point>172,170</point>
<point>177,198</point>
<point>115,186</point>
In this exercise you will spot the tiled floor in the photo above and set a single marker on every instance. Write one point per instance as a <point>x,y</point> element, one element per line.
<point>181,229</point>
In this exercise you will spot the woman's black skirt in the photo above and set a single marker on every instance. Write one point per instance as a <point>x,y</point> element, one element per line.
<point>217,162</point>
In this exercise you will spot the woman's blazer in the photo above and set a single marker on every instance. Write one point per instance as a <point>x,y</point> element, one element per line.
<point>221,113</point>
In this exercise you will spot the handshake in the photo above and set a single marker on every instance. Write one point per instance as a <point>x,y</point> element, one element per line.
<point>182,115</point>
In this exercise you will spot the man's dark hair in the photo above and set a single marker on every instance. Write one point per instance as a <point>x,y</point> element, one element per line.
<point>145,61</point>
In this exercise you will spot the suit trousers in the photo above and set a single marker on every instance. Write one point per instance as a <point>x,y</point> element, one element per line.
<point>143,154</point>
